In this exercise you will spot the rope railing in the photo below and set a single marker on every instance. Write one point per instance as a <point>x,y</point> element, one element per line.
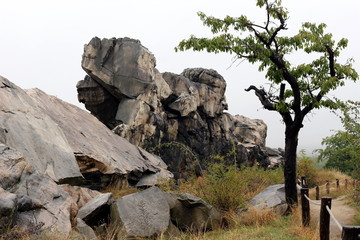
<point>347,232</point>
<point>334,218</point>
<point>312,201</point>
<point>303,183</point>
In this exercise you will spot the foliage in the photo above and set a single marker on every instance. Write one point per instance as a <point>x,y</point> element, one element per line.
<point>308,83</point>
<point>305,167</point>
<point>342,149</point>
<point>228,188</point>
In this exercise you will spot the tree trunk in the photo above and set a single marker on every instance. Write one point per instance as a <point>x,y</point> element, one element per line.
<point>291,142</point>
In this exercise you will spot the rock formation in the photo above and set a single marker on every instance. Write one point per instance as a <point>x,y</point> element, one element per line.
<point>54,156</point>
<point>67,143</point>
<point>62,146</point>
<point>166,112</point>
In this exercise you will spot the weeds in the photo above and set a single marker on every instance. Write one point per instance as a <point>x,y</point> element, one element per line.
<point>228,188</point>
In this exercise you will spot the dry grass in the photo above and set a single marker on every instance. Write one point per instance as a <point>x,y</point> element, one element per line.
<point>119,192</point>
<point>258,217</point>
<point>323,175</point>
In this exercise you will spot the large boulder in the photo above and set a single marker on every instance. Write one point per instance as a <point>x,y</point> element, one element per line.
<point>191,213</point>
<point>103,157</point>
<point>143,214</point>
<point>123,66</point>
<point>27,128</point>
<point>273,197</point>
<point>152,212</point>
<point>179,116</point>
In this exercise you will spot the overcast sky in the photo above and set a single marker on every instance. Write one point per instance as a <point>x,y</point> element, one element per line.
<point>42,42</point>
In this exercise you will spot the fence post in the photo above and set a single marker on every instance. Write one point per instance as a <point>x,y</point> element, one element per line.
<point>325,218</point>
<point>346,184</point>
<point>317,192</point>
<point>354,183</point>
<point>303,182</point>
<point>337,184</point>
<point>327,187</point>
<point>350,233</point>
<point>305,207</point>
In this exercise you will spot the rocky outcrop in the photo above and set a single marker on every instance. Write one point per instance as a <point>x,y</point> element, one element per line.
<point>103,157</point>
<point>166,112</point>
<point>59,143</point>
<point>25,127</point>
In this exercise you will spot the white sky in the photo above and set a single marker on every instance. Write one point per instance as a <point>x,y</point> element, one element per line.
<point>42,42</point>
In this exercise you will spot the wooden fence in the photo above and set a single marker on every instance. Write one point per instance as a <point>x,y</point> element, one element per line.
<point>347,232</point>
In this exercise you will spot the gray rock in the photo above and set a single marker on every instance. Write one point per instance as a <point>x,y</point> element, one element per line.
<point>99,101</point>
<point>273,197</point>
<point>190,213</point>
<point>27,128</point>
<point>102,155</point>
<point>35,198</point>
<point>211,87</point>
<point>154,179</point>
<point>7,203</point>
<point>131,111</point>
<point>122,66</point>
<point>80,195</point>
<point>142,214</point>
<point>276,157</point>
<point>85,230</point>
<point>97,210</point>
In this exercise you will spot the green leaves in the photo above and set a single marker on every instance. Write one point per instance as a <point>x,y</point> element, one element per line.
<point>342,149</point>
<point>264,43</point>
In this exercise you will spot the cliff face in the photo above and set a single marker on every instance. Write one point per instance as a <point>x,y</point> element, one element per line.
<point>169,113</point>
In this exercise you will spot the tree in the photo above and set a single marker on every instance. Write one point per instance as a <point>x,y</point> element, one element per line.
<point>342,149</point>
<point>299,88</point>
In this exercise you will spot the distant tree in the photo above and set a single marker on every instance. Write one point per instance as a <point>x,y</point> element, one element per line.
<point>342,149</point>
<point>295,90</point>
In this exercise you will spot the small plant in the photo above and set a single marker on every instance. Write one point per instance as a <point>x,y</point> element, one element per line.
<point>305,167</point>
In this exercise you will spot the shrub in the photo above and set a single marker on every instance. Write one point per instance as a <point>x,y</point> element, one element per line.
<point>305,167</point>
<point>229,188</point>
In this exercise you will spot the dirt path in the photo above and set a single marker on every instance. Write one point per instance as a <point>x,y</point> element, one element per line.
<point>342,211</point>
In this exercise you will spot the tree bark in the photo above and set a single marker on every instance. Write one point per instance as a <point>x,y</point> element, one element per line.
<point>291,142</point>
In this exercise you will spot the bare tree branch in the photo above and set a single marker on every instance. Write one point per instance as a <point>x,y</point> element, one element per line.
<point>263,97</point>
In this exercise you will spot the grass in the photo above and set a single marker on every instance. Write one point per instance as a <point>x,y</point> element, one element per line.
<point>261,226</point>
